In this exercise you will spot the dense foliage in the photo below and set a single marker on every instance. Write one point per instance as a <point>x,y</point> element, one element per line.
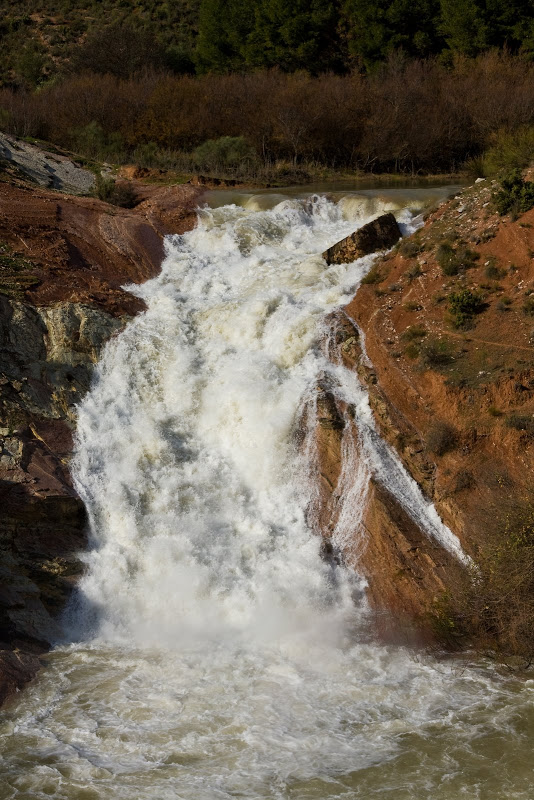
<point>41,39</point>
<point>411,116</point>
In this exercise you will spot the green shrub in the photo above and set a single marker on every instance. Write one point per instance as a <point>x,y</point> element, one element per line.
<point>463,305</point>
<point>414,332</point>
<point>412,350</point>
<point>413,272</point>
<point>511,150</point>
<point>504,304</point>
<point>373,276</point>
<point>412,306</point>
<point>441,438</point>
<point>493,271</point>
<point>118,194</point>
<point>436,352</point>
<point>453,261</point>
<point>408,248</point>
<point>228,152</point>
<point>528,307</point>
<point>515,195</point>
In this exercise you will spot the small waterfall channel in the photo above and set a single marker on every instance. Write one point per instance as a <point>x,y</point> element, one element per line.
<point>211,652</point>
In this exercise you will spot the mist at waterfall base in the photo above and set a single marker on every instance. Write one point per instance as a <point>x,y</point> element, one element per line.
<point>216,655</point>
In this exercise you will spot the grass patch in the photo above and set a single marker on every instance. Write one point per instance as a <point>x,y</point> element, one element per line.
<point>414,332</point>
<point>374,276</point>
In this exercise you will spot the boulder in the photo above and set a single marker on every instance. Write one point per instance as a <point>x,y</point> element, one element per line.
<point>379,234</point>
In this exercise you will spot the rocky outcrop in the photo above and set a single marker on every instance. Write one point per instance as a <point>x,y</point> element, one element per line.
<point>454,397</point>
<point>46,361</point>
<point>55,248</point>
<point>379,234</point>
<point>63,261</point>
<point>404,568</point>
<point>51,170</point>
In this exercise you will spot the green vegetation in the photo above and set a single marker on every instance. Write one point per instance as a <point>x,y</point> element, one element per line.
<point>491,605</point>
<point>455,260</point>
<point>409,248</point>
<point>508,151</point>
<point>117,193</point>
<point>414,332</point>
<point>436,352</point>
<point>515,195</point>
<point>16,273</point>
<point>374,275</point>
<point>463,305</point>
<point>356,85</point>
<point>42,39</point>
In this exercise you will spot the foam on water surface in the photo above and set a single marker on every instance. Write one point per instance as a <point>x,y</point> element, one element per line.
<point>217,655</point>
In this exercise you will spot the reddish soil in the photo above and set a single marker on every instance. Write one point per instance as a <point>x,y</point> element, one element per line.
<point>84,250</point>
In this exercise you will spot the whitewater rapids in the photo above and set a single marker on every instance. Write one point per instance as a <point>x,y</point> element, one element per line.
<point>215,654</point>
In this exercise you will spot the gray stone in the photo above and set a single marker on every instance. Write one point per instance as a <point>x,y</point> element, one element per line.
<point>47,169</point>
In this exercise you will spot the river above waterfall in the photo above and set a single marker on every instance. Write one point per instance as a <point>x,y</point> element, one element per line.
<point>210,653</point>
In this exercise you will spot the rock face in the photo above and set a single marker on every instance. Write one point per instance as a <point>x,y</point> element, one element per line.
<point>46,169</point>
<point>379,234</point>
<point>63,261</point>
<point>426,374</point>
<point>404,568</point>
<point>56,248</point>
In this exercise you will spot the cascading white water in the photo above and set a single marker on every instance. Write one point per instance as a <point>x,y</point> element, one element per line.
<point>218,656</point>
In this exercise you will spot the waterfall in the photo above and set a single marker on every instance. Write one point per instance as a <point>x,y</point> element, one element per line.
<point>213,654</point>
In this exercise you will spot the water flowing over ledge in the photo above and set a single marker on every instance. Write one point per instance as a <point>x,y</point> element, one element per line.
<point>219,656</point>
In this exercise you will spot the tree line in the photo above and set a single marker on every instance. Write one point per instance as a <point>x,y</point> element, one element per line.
<point>410,115</point>
<point>41,40</point>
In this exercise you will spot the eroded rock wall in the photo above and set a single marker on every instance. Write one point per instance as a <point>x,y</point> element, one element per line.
<point>63,263</point>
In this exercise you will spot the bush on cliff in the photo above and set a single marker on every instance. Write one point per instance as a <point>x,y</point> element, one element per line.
<point>463,305</point>
<point>118,194</point>
<point>441,438</point>
<point>491,605</point>
<point>515,195</point>
<point>455,260</point>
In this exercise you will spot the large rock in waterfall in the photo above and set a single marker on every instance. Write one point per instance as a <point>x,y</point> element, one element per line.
<point>379,234</point>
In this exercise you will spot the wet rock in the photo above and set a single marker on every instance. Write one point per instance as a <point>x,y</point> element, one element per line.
<point>379,234</point>
<point>79,252</point>
<point>47,169</point>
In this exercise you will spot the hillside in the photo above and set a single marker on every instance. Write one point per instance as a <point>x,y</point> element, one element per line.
<point>448,319</point>
<point>45,38</point>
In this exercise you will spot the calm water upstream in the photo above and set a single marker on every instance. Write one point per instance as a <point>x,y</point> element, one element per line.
<point>211,654</point>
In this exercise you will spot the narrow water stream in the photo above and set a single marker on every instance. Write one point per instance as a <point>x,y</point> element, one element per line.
<point>210,652</point>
